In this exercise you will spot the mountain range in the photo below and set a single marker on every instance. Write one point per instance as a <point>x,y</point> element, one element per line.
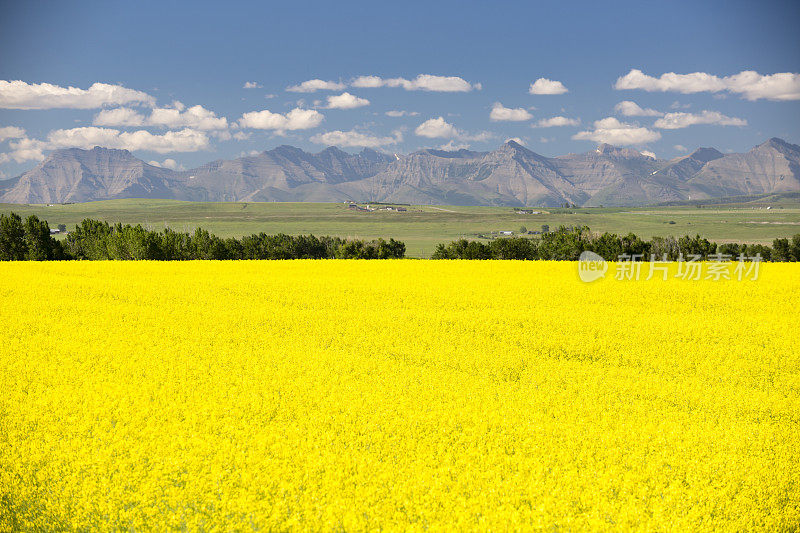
<point>510,175</point>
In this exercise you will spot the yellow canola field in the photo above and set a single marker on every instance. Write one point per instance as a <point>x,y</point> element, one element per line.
<point>415,395</point>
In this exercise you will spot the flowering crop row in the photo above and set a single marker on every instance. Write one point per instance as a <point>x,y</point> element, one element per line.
<point>398,395</point>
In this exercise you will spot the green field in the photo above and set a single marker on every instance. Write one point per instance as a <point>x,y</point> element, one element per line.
<point>422,227</point>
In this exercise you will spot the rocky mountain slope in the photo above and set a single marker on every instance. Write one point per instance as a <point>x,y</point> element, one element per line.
<point>773,166</point>
<point>510,175</point>
<point>283,174</point>
<point>75,175</point>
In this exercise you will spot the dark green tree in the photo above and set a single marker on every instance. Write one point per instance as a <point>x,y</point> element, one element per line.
<point>38,242</point>
<point>794,247</point>
<point>12,238</point>
<point>781,251</point>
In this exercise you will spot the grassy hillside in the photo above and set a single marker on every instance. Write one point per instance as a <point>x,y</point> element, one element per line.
<point>422,227</point>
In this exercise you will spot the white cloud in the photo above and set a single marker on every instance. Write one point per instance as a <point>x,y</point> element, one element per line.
<point>186,140</point>
<point>436,128</point>
<point>556,121</point>
<point>346,101</point>
<point>241,136</point>
<point>311,86</point>
<point>21,95</point>
<point>120,116</point>
<point>396,113</point>
<point>423,82</point>
<point>649,154</point>
<point>24,150</point>
<point>252,85</point>
<point>168,163</point>
<point>674,121</point>
<point>680,148</point>
<point>453,146</point>
<point>196,117</point>
<point>500,113</point>
<point>516,140</point>
<point>545,86</point>
<point>177,116</point>
<point>11,132</point>
<point>355,139</point>
<point>296,119</point>
<point>612,131</point>
<point>684,83</point>
<point>439,128</point>
<point>368,82</point>
<point>749,84</point>
<point>172,164</point>
<point>270,96</point>
<point>428,82</point>
<point>632,109</point>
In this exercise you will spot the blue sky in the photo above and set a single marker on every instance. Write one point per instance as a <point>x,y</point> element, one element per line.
<point>158,60</point>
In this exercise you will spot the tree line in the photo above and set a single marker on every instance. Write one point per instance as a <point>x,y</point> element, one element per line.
<point>567,244</point>
<point>95,240</point>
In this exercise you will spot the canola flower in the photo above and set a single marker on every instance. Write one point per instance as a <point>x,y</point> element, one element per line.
<point>413,395</point>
